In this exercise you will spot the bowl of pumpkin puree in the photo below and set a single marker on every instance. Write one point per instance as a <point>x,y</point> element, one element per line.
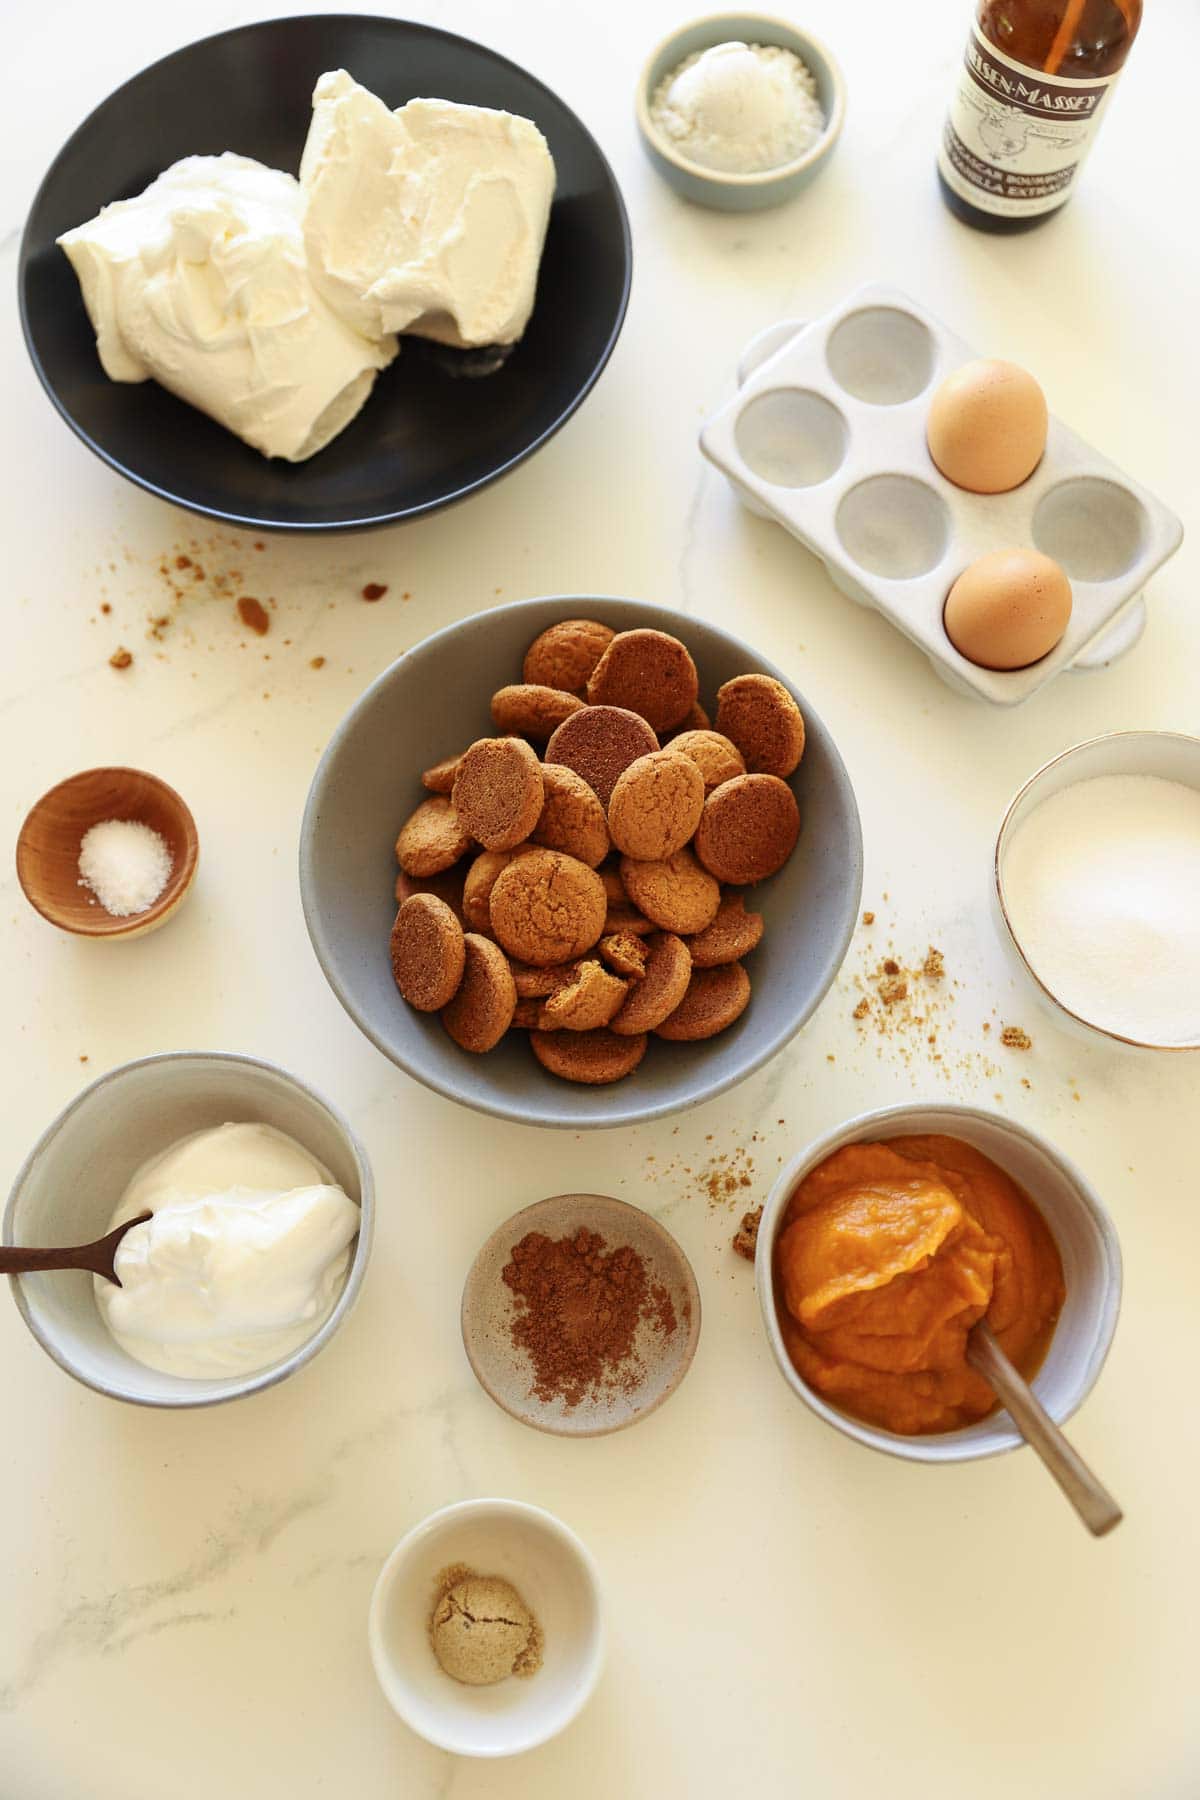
<point>884,1242</point>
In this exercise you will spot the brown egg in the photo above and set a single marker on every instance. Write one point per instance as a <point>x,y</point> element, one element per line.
<point>987,426</point>
<point>1009,609</point>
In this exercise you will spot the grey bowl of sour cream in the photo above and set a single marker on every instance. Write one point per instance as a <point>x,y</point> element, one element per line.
<point>192,1324</point>
<point>727,118</point>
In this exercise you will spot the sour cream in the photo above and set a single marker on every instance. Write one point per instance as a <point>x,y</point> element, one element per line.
<point>243,1260</point>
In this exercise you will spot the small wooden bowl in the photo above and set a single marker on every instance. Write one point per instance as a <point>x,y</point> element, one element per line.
<point>49,840</point>
<point>488,1308</point>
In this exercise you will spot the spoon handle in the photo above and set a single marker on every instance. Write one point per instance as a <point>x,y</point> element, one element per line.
<point>1090,1498</point>
<point>97,1257</point>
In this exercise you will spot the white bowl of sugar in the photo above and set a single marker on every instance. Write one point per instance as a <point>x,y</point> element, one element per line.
<point>1097,879</point>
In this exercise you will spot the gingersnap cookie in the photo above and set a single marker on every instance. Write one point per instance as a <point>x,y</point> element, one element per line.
<point>599,743</point>
<point>625,954</point>
<point>696,719</point>
<point>448,886</point>
<point>747,830</point>
<point>649,672</point>
<point>480,879</point>
<point>733,934</point>
<point>532,710</point>
<point>564,655</point>
<point>585,1003</point>
<point>526,1015</point>
<point>757,713</point>
<point>432,838</point>
<point>535,984</point>
<point>590,1057</point>
<point>676,893</point>
<point>656,805</point>
<point>482,1009</point>
<point>653,999</point>
<point>428,953</point>
<point>440,778</point>
<point>572,817</point>
<point>498,792</point>
<point>716,758</point>
<point>714,999</point>
<point>547,907</point>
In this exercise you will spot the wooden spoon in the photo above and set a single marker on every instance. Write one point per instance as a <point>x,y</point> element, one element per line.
<point>1091,1500</point>
<point>99,1257</point>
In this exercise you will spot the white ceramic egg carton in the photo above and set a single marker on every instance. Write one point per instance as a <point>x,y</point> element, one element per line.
<point>826,435</point>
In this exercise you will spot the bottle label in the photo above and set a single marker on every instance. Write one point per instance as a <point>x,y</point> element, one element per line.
<point>1015,137</point>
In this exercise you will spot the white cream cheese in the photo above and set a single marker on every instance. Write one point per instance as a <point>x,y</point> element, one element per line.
<point>202,284</point>
<point>430,219</point>
<point>243,1260</point>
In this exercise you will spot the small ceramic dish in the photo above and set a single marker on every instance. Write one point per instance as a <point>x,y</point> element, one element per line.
<point>49,840</point>
<point>1082,1229</point>
<point>1169,755</point>
<point>717,187</point>
<point>557,1579</point>
<point>433,702</point>
<point>661,1359</point>
<point>74,1176</point>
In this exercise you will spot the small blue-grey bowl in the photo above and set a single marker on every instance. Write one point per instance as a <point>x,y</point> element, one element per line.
<point>432,703</point>
<point>718,187</point>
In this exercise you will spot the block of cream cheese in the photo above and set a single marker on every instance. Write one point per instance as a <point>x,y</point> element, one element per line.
<point>202,284</point>
<point>430,219</point>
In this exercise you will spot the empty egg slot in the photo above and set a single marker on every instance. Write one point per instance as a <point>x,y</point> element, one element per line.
<point>1095,529</point>
<point>894,526</point>
<point>791,437</point>
<point>881,355</point>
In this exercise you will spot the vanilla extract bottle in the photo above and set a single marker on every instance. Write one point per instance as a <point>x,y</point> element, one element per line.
<point>1036,79</point>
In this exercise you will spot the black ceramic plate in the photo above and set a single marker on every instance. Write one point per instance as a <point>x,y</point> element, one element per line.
<point>429,434</point>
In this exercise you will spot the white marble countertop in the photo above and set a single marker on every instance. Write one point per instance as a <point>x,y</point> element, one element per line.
<point>184,1596</point>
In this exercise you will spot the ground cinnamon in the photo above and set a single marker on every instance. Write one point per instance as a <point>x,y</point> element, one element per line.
<point>578,1308</point>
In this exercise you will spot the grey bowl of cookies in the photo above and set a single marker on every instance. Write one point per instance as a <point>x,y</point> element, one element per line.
<point>581,861</point>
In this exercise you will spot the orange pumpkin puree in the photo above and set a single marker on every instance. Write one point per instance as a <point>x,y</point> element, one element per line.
<point>889,1253</point>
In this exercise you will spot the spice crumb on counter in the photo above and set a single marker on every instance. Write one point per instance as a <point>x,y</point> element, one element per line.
<point>745,1238</point>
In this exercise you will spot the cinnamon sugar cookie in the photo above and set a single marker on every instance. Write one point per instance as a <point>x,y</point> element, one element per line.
<point>547,907</point>
<point>748,829</point>
<point>482,1009</point>
<point>531,710</point>
<point>498,792</point>
<point>656,805</point>
<point>564,655</point>
<point>572,817</point>
<point>714,999</point>
<point>716,758</point>
<point>428,952</point>
<point>759,715</point>
<point>733,934</point>
<point>590,1057</point>
<point>599,742</point>
<point>585,1003</point>
<point>676,893</point>
<point>650,673</point>
<point>480,879</point>
<point>650,1001</point>
<point>440,778</point>
<point>432,838</point>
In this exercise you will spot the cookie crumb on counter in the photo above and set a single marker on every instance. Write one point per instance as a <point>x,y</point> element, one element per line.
<point>745,1238</point>
<point>318,662</point>
<point>374,590</point>
<point>254,615</point>
<point>1014,1038</point>
<point>868,918</point>
<point>120,658</point>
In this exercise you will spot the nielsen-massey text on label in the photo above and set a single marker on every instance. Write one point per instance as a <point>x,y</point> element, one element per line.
<point>1015,137</point>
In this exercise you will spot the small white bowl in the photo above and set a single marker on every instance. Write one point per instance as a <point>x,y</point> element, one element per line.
<point>76,1173</point>
<point>556,1577</point>
<point>1083,1231</point>
<point>1170,755</point>
<point>721,188</point>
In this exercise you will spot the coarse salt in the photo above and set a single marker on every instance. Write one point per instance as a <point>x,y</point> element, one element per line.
<point>1102,888</point>
<point>126,864</point>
